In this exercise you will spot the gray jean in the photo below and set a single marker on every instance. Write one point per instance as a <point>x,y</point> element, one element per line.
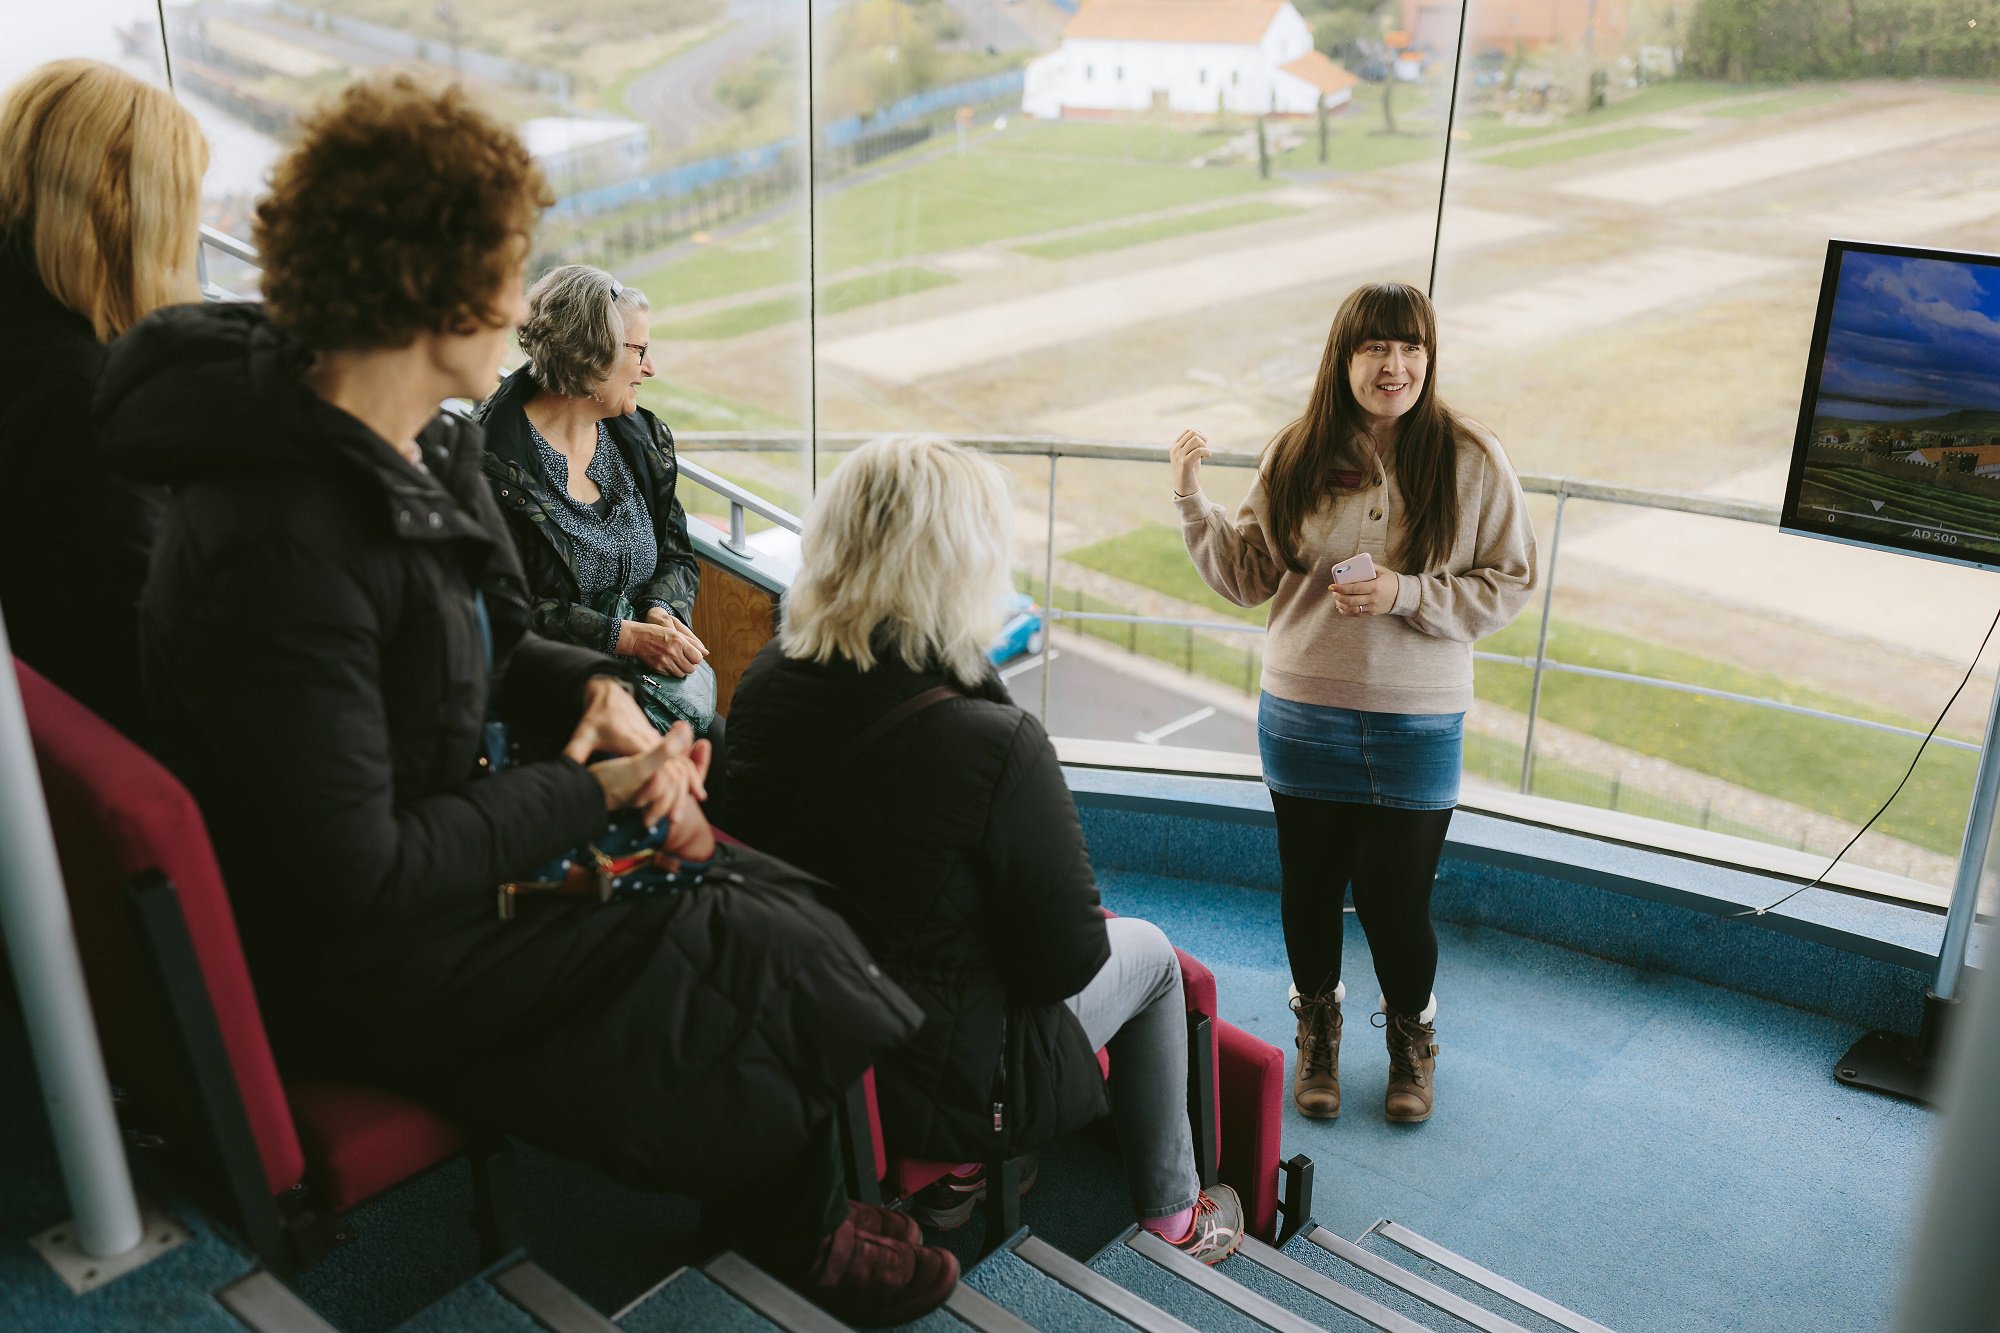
<point>1133,1009</point>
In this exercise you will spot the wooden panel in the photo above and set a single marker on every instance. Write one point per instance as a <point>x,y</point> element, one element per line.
<point>735,618</point>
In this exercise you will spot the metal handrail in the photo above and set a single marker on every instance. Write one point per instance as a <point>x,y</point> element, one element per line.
<point>1563,489</point>
<point>216,239</point>
<point>1115,451</point>
<point>744,502</point>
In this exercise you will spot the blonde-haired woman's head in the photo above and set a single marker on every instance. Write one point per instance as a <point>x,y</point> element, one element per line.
<point>100,179</point>
<point>904,556</point>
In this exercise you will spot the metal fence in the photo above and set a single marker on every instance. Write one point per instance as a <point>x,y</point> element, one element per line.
<point>743,503</point>
<point>1541,665</point>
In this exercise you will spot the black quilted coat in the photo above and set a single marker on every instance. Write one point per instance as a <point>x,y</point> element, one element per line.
<point>74,545</point>
<point>955,851</point>
<point>317,675</point>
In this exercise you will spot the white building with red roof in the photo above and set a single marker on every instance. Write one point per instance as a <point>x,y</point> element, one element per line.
<point>1188,56</point>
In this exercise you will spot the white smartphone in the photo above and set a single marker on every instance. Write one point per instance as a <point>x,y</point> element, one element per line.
<point>1359,569</point>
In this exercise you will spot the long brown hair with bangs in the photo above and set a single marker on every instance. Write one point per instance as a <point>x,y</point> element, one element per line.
<point>1326,438</point>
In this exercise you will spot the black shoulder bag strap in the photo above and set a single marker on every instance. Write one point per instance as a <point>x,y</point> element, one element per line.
<point>887,723</point>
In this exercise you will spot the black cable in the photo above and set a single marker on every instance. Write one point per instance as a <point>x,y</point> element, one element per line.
<point>1444,162</point>
<point>1817,879</point>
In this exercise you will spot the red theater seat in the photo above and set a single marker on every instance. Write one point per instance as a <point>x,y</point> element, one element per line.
<point>178,1016</point>
<point>1244,1079</point>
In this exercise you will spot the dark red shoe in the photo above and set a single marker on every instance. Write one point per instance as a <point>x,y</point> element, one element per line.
<point>885,1222</point>
<point>871,1280</point>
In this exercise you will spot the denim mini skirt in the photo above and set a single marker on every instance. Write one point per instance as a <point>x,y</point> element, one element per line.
<point>1407,760</point>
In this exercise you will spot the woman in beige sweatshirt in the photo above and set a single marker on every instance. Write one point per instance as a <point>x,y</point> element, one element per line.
<point>1367,679</point>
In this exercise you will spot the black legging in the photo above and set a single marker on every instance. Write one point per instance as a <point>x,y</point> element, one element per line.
<point>1391,857</point>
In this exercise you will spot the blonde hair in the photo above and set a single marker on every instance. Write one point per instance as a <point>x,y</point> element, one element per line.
<point>905,550</point>
<point>100,178</point>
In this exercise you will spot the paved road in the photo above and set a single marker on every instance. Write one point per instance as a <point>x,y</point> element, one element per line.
<point>1089,697</point>
<point>678,99</point>
<point>993,25</point>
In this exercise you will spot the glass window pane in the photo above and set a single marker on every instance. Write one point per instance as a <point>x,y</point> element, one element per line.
<point>1651,329</point>
<point>670,134</point>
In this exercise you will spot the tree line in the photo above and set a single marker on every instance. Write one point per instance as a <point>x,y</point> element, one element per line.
<point>1762,40</point>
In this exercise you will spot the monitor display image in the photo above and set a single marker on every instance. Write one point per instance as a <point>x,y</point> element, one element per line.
<point>1898,443</point>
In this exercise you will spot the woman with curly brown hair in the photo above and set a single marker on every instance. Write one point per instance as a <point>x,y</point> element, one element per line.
<point>335,601</point>
<point>84,252</point>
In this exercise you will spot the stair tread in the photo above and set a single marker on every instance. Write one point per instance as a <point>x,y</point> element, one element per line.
<point>476,1304</point>
<point>1300,1301</point>
<point>1347,1275</point>
<point>693,1300</point>
<point>1178,1298</point>
<point>1012,1282</point>
<point>937,1321</point>
<point>1376,1243</point>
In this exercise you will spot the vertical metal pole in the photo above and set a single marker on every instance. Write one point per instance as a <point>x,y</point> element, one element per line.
<point>1542,639</point>
<point>1971,858</point>
<point>1950,1283</point>
<point>41,945</point>
<point>1049,589</point>
<point>739,529</point>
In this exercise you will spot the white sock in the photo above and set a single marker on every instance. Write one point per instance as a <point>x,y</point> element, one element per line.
<point>1429,1014</point>
<point>1339,992</point>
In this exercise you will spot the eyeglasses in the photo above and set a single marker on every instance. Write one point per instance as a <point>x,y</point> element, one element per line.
<point>640,348</point>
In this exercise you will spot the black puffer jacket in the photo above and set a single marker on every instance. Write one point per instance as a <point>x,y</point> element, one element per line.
<point>955,850</point>
<point>316,670</point>
<point>556,595</point>
<point>75,543</point>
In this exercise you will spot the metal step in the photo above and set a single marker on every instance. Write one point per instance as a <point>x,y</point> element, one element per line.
<point>1410,1284</point>
<point>1319,1284</point>
<point>269,1306</point>
<point>1096,1288</point>
<point>971,1306</point>
<point>548,1302</point>
<point>768,1296</point>
<point>1217,1284</point>
<point>1485,1278</point>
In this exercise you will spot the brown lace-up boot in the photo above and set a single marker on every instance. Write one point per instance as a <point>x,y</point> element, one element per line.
<point>1316,1081</point>
<point>1412,1066</point>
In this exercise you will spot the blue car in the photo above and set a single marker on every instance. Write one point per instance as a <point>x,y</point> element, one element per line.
<point>1023,632</point>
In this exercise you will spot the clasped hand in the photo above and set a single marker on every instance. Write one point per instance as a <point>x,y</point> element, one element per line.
<point>665,777</point>
<point>662,643</point>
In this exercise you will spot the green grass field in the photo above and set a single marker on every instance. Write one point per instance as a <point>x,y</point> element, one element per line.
<point>1358,137</point>
<point>1777,106</point>
<point>1836,768</point>
<point>1584,145</point>
<point>1130,141</point>
<point>941,203</point>
<point>1487,130</point>
<point>834,297</point>
<point>686,409</point>
<point>1159,229</point>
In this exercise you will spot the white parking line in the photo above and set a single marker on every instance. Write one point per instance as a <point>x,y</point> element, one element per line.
<point>1179,724</point>
<point>1030,663</point>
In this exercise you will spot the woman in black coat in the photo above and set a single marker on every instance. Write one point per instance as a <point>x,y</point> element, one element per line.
<point>873,744</point>
<point>334,605</point>
<point>73,551</point>
<point>586,478</point>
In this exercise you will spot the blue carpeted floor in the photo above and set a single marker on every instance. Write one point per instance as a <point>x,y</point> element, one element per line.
<point>1653,1152</point>
<point>1656,1153</point>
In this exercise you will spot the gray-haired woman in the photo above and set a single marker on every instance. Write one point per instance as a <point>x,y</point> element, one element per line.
<point>586,478</point>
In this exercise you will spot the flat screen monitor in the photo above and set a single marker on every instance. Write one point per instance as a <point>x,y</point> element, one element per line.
<point>1898,444</point>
